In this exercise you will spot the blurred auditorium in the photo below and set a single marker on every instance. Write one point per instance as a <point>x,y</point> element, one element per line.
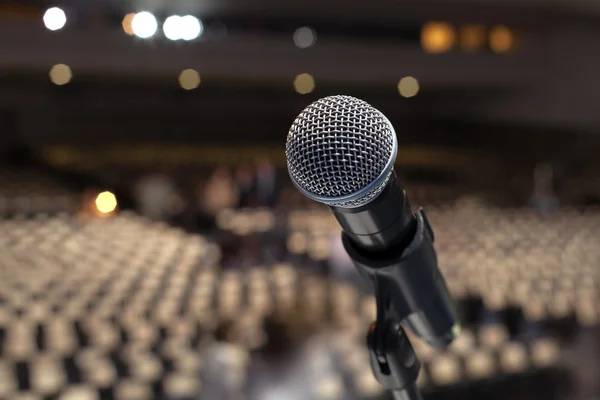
<point>154,247</point>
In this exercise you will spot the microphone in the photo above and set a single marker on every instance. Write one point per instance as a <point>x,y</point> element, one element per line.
<point>341,152</point>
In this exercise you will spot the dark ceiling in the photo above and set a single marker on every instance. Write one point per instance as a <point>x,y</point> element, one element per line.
<point>381,12</point>
<point>363,48</point>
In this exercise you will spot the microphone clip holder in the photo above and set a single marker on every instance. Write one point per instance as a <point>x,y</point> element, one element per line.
<point>393,360</point>
<point>409,292</point>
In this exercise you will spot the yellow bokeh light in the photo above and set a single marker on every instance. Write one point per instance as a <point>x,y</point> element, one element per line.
<point>189,79</point>
<point>502,39</point>
<point>106,202</point>
<point>438,37</point>
<point>127,24</point>
<point>408,86</point>
<point>472,37</point>
<point>304,83</point>
<point>60,74</point>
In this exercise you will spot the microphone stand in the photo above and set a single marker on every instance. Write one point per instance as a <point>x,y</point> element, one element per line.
<point>393,360</point>
<point>409,291</point>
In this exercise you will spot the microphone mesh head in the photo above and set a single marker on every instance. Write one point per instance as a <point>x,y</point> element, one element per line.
<point>340,151</point>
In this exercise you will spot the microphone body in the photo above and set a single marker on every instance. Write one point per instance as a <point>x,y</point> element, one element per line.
<point>393,247</point>
<point>380,224</point>
<point>411,287</point>
<point>341,152</point>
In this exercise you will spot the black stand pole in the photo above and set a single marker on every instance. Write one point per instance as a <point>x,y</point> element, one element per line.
<point>393,361</point>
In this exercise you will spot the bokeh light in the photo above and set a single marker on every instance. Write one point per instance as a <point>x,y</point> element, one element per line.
<point>182,28</point>
<point>305,37</point>
<point>191,27</point>
<point>189,79</point>
<point>472,37</point>
<point>106,202</point>
<point>144,25</point>
<point>438,37</point>
<point>55,18</point>
<point>408,86</point>
<point>502,39</point>
<point>172,27</point>
<point>60,74</point>
<point>304,83</point>
<point>128,24</point>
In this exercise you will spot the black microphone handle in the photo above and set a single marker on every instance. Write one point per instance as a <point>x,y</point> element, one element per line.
<point>383,223</point>
<point>409,287</point>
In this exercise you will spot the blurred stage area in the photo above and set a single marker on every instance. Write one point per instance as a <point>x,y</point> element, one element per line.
<point>210,283</point>
<point>153,247</point>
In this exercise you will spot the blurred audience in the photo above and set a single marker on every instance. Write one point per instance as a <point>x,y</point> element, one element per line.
<point>544,197</point>
<point>277,371</point>
<point>244,182</point>
<point>155,196</point>
<point>219,193</point>
<point>223,371</point>
<point>267,185</point>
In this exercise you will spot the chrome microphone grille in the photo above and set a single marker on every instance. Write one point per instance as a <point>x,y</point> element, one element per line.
<point>340,151</point>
